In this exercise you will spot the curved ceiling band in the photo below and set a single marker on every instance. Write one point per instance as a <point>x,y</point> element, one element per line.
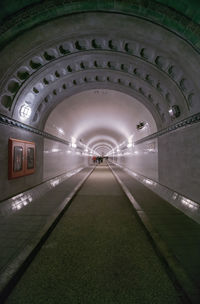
<point>47,73</point>
<point>119,56</point>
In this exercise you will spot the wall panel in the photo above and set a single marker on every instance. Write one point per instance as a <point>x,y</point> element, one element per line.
<point>143,159</point>
<point>179,161</point>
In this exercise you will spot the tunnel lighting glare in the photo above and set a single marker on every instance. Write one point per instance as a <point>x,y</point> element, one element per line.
<point>73,142</point>
<point>149,182</point>
<point>20,201</point>
<point>130,139</point>
<point>146,126</point>
<point>69,151</point>
<point>54,182</point>
<point>134,174</point>
<point>73,139</point>
<point>187,202</point>
<point>55,150</point>
<point>136,152</point>
<point>174,111</point>
<point>61,131</point>
<point>130,142</point>
<point>25,111</point>
<point>175,195</point>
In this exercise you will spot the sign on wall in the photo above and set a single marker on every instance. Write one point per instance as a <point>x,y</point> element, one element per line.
<point>21,158</point>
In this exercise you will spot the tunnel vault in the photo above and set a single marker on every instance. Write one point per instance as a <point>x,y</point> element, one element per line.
<point>75,53</point>
<point>149,50</point>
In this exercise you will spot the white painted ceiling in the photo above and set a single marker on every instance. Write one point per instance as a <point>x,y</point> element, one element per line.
<point>101,119</point>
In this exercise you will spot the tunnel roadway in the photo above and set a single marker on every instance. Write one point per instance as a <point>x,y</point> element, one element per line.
<point>98,253</point>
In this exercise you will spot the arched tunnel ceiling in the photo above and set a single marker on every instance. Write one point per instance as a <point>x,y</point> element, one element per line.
<point>98,116</point>
<point>90,51</point>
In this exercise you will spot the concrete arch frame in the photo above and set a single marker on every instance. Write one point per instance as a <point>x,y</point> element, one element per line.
<point>179,18</point>
<point>154,71</point>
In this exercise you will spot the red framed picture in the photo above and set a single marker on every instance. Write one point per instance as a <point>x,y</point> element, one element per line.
<point>21,158</point>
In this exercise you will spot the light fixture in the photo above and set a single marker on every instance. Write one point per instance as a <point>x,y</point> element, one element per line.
<point>73,142</point>
<point>61,131</point>
<point>130,142</point>
<point>140,125</point>
<point>174,111</point>
<point>25,111</point>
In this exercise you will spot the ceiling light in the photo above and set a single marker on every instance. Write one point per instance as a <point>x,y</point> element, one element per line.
<point>25,111</point>
<point>174,111</point>
<point>73,142</point>
<point>60,131</point>
<point>130,142</point>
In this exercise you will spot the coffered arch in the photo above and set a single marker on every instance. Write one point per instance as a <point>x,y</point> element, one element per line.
<point>70,62</point>
<point>58,68</point>
<point>52,51</point>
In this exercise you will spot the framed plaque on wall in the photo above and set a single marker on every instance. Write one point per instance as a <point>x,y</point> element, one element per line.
<point>21,158</point>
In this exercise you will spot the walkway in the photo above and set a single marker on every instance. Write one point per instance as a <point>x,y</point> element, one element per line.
<point>98,253</point>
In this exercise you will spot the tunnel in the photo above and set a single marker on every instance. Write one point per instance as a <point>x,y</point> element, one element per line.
<point>99,109</point>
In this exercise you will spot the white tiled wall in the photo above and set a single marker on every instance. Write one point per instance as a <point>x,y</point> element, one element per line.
<point>59,158</point>
<point>143,159</point>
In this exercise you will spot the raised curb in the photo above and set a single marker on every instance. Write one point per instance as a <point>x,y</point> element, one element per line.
<point>180,277</point>
<point>16,268</point>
